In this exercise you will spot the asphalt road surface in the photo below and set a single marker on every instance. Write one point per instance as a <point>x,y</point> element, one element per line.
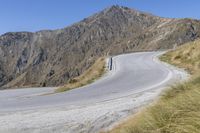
<point>131,73</point>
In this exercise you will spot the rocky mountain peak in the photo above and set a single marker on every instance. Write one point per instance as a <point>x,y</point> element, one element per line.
<point>123,9</point>
<point>114,8</point>
<point>52,58</point>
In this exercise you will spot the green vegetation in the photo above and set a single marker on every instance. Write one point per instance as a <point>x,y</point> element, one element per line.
<point>89,76</point>
<point>178,110</point>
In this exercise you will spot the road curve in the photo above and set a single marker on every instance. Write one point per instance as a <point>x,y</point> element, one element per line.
<point>131,73</point>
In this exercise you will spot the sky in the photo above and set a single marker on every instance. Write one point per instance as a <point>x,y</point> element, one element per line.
<point>35,15</point>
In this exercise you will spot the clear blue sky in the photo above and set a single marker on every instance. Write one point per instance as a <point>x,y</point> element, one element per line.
<point>34,15</point>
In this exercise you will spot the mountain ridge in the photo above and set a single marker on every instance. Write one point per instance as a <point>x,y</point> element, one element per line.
<point>53,57</point>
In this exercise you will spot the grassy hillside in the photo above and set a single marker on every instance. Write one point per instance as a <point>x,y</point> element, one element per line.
<point>178,110</point>
<point>93,73</point>
<point>186,56</point>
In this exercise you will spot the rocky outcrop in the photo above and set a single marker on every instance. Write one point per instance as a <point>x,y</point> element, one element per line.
<point>51,58</point>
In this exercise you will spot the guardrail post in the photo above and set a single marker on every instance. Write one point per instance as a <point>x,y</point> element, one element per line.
<point>111,63</point>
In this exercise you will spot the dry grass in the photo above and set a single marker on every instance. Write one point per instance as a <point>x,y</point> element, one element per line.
<point>186,56</point>
<point>178,110</point>
<point>89,76</point>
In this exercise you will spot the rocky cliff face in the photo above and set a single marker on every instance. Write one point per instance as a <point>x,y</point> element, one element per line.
<point>51,58</point>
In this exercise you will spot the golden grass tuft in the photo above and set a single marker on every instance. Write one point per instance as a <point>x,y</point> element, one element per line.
<point>186,56</point>
<point>89,76</point>
<point>178,110</point>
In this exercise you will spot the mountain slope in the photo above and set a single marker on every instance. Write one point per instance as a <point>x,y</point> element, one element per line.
<point>52,57</point>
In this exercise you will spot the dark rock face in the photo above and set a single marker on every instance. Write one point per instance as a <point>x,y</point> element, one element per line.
<point>51,58</point>
<point>41,57</point>
<point>23,60</point>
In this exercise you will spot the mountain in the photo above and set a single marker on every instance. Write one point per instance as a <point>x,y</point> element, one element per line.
<point>52,57</point>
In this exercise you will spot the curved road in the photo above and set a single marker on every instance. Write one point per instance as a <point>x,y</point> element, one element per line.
<point>135,80</point>
<point>131,73</point>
